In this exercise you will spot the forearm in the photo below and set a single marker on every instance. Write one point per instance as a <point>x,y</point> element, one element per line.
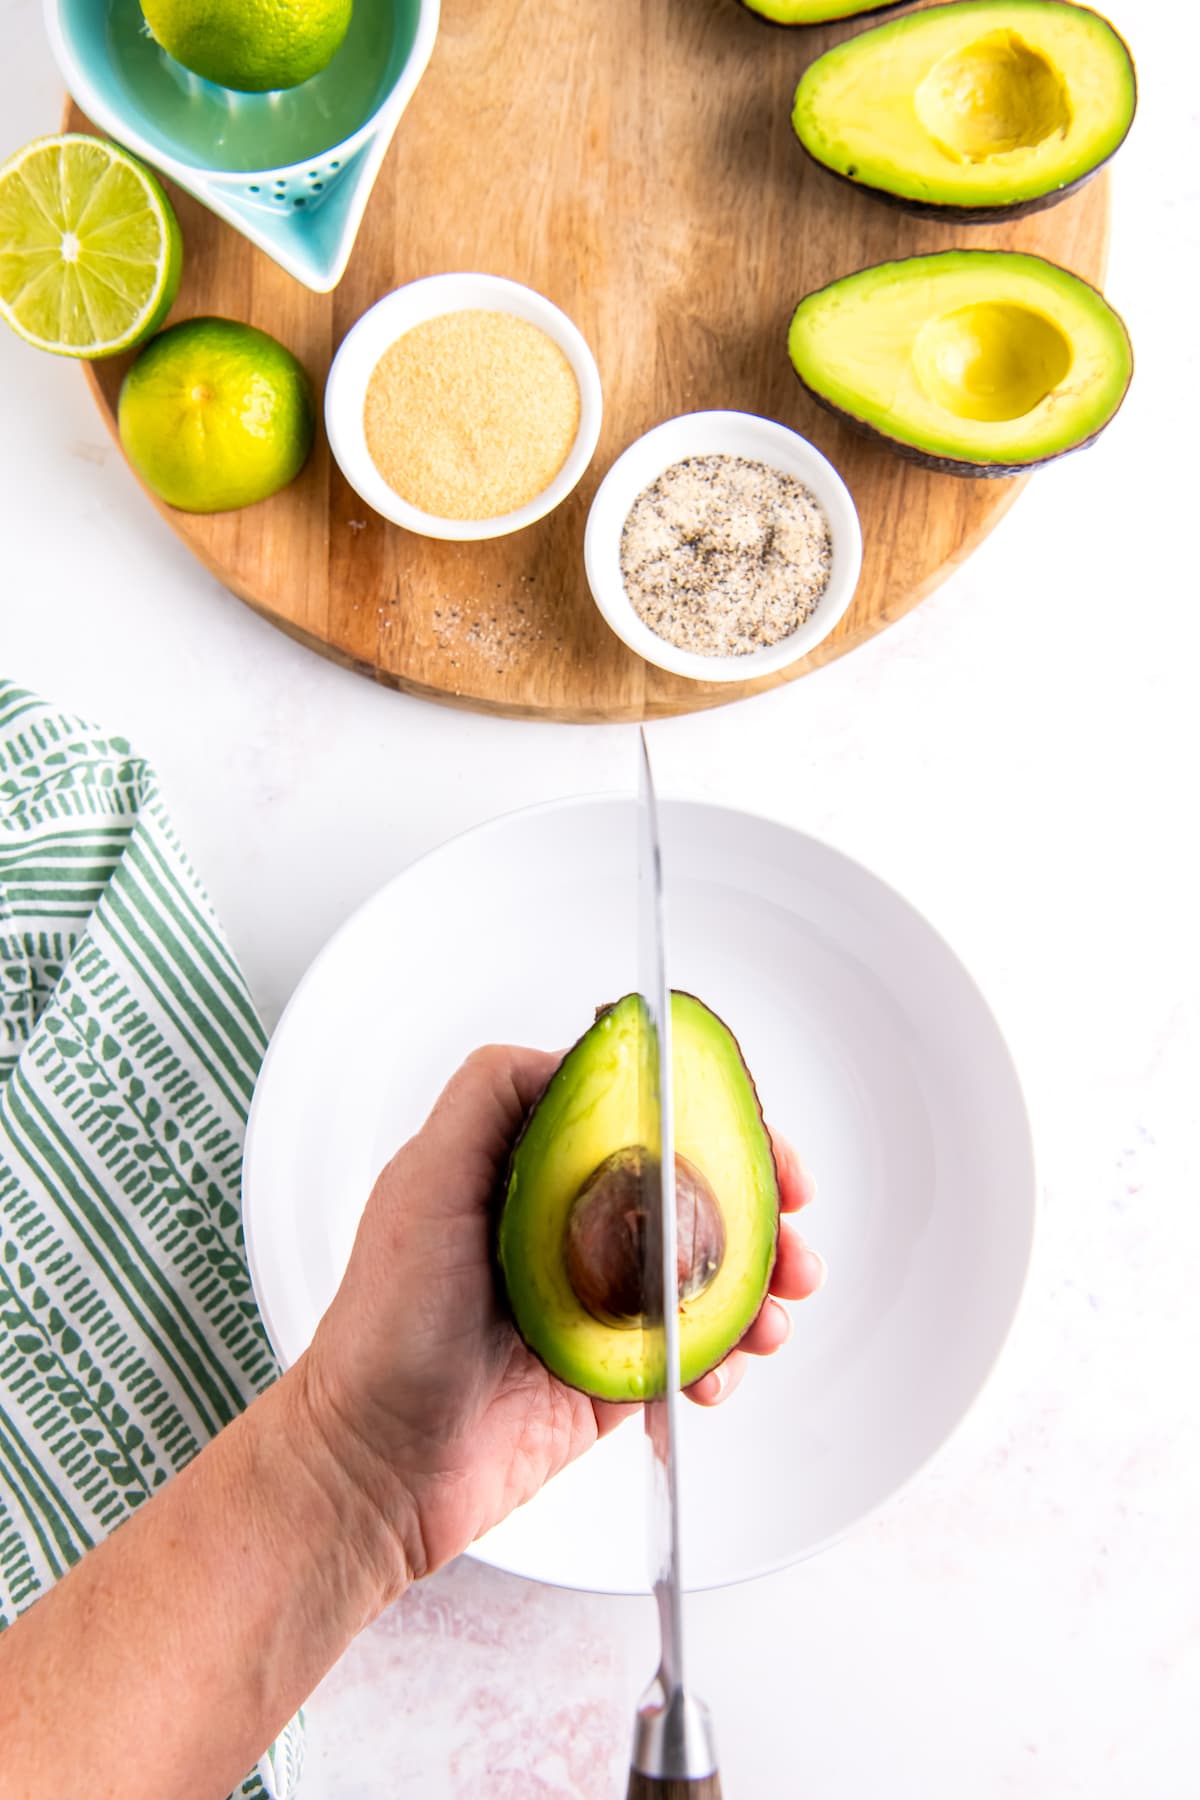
<point>186,1641</point>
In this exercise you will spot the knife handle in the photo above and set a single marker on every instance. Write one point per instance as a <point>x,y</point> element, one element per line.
<point>649,1787</point>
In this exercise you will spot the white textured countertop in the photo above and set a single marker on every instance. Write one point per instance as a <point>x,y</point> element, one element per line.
<point>1019,757</point>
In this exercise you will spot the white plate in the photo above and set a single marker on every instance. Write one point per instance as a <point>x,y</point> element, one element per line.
<point>873,1051</point>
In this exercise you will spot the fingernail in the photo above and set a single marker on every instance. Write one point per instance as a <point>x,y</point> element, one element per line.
<point>787,1317</point>
<point>716,1381</point>
<point>822,1269</point>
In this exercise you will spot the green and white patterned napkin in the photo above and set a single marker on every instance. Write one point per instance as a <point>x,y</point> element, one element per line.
<point>129,1048</point>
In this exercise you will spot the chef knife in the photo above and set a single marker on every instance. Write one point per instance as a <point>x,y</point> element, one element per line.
<point>673,1755</point>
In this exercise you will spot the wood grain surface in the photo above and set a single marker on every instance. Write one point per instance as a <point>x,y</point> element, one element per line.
<point>645,1787</point>
<point>634,161</point>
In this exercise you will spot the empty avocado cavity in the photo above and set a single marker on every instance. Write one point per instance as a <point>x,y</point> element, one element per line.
<point>991,97</point>
<point>990,361</point>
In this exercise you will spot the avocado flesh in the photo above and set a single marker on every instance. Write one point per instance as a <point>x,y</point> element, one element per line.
<point>978,110</point>
<point>815,12</point>
<point>589,1111</point>
<point>978,362</point>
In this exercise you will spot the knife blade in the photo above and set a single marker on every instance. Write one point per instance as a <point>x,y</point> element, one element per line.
<point>673,1747</point>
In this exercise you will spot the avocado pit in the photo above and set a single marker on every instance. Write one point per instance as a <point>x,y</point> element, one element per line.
<point>604,1244</point>
<point>573,1217</point>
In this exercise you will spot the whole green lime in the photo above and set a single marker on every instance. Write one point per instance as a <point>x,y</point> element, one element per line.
<point>252,45</point>
<point>214,415</point>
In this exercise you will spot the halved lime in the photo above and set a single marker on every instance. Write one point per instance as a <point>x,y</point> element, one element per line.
<point>251,45</point>
<point>90,249</point>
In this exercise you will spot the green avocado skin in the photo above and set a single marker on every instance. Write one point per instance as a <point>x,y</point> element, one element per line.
<point>547,1330</point>
<point>947,211</point>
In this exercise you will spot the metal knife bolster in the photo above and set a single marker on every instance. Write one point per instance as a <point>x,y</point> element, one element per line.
<point>673,1738</point>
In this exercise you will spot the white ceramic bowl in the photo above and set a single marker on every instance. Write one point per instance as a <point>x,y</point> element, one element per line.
<point>717,434</point>
<point>398,312</point>
<point>873,1050</point>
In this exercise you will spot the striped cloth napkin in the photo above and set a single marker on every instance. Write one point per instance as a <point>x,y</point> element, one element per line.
<point>129,1048</point>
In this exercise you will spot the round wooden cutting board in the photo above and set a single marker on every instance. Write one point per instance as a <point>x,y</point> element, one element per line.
<point>634,161</point>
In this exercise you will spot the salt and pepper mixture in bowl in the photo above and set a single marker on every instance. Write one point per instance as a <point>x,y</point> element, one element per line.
<point>722,546</point>
<point>723,556</point>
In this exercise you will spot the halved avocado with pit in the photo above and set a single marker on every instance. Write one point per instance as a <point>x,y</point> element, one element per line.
<point>974,362</point>
<point>816,12</point>
<point>569,1237</point>
<point>975,111</point>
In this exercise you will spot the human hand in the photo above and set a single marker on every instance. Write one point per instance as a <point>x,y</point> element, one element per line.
<point>417,1381</point>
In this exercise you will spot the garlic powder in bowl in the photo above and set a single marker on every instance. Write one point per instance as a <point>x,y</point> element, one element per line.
<point>463,406</point>
<point>472,414</point>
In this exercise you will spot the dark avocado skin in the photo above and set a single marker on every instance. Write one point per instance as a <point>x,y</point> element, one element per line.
<point>959,215</point>
<point>498,1205</point>
<point>887,6</point>
<point>984,215</point>
<point>947,465</point>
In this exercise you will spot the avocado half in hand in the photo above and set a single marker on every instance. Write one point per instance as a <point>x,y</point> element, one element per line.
<point>815,12</point>
<point>974,362</point>
<point>572,1218</point>
<point>976,111</point>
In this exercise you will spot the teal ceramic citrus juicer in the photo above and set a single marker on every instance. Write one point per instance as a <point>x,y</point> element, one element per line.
<point>291,170</point>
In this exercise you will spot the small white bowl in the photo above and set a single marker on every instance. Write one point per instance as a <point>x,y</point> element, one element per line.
<point>719,434</point>
<point>377,331</point>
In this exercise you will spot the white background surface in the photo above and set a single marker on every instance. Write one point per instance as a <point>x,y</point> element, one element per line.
<point>1019,756</point>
